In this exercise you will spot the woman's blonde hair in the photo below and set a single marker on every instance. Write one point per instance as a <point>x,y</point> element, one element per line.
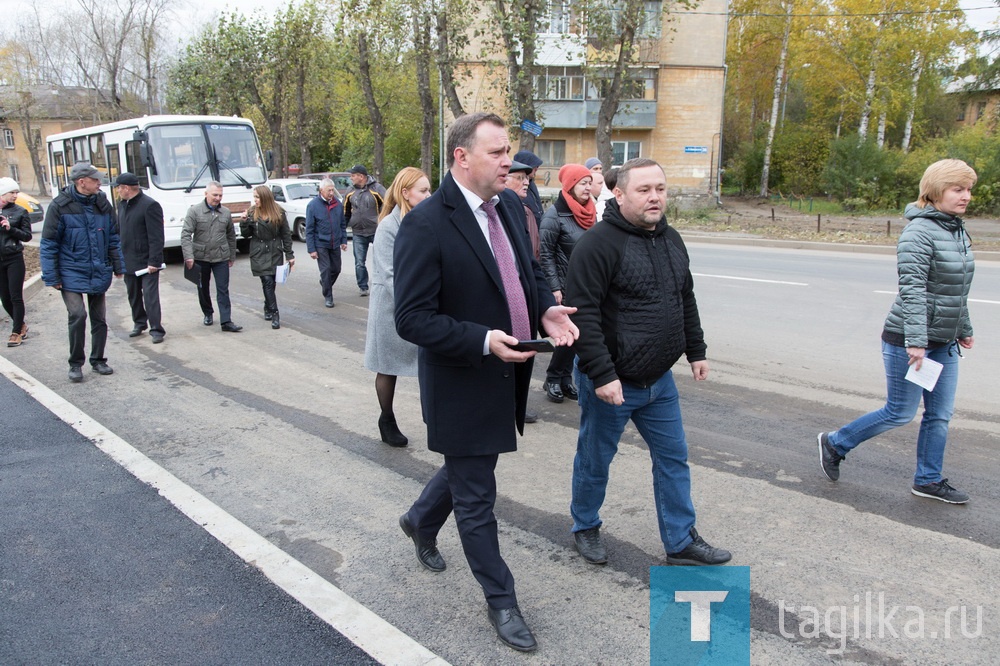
<point>404,180</point>
<point>940,176</point>
<point>268,210</point>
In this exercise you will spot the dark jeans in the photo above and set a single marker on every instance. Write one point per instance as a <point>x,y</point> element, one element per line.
<point>78,327</point>
<point>468,486</point>
<point>329,268</point>
<point>11,287</point>
<point>270,302</point>
<point>221,271</point>
<point>144,299</point>
<point>361,244</point>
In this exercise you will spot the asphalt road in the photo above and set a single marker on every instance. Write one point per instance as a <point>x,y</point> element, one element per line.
<point>279,429</point>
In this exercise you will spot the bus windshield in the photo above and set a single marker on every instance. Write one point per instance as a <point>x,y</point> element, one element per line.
<point>181,155</point>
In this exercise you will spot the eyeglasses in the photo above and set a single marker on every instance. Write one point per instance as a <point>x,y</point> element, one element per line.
<point>518,176</point>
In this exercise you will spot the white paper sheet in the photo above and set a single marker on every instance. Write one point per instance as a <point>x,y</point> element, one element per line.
<point>281,273</point>
<point>926,377</point>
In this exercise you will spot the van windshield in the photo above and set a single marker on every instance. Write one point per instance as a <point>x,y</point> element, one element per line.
<point>182,157</point>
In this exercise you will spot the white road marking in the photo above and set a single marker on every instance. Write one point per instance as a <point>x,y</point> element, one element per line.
<point>383,641</point>
<point>971,300</point>
<point>746,279</point>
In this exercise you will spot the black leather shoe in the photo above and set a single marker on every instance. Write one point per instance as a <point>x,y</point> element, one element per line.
<point>75,374</point>
<point>137,331</point>
<point>390,432</point>
<point>427,552</point>
<point>102,368</point>
<point>589,545</point>
<point>512,629</point>
<point>275,322</point>
<point>230,327</point>
<point>207,321</point>
<point>329,302</point>
<point>553,391</point>
<point>268,316</point>
<point>698,552</point>
<point>569,390</point>
<point>530,416</point>
<point>157,338</point>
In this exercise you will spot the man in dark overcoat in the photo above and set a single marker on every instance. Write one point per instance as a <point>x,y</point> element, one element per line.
<point>140,224</point>
<point>467,289</point>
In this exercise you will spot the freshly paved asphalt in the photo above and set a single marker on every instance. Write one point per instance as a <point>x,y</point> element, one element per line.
<point>96,567</point>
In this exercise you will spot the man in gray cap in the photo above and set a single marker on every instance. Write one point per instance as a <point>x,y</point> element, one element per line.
<point>361,207</point>
<point>140,219</point>
<point>79,252</point>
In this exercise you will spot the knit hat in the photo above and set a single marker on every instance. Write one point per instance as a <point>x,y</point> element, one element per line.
<point>571,174</point>
<point>8,185</point>
<point>592,162</point>
<point>529,158</point>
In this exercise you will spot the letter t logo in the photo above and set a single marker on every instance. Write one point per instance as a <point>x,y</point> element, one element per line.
<point>701,611</point>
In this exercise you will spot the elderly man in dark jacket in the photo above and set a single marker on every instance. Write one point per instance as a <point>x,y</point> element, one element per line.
<point>79,252</point>
<point>629,278</point>
<point>140,222</point>
<point>326,236</point>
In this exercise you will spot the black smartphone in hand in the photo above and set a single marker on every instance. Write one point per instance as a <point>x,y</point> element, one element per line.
<point>542,345</point>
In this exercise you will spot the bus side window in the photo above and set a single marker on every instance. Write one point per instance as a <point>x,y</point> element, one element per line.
<point>133,163</point>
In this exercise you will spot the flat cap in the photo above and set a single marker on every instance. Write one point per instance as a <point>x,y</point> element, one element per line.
<point>84,170</point>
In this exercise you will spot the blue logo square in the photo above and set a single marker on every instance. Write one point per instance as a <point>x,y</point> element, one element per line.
<point>699,615</point>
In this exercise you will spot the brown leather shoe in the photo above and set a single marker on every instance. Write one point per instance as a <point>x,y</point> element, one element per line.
<point>14,340</point>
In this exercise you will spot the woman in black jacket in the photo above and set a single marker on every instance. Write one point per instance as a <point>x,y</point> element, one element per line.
<point>15,229</point>
<point>270,241</point>
<point>562,225</point>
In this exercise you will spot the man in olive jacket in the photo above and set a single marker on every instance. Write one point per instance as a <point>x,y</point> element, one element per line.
<point>140,221</point>
<point>209,240</point>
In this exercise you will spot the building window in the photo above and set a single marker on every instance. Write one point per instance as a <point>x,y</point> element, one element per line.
<point>623,151</point>
<point>557,19</point>
<point>8,138</point>
<point>649,23</point>
<point>560,83</point>
<point>14,173</point>
<point>961,114</point>
<point>552,153</point>
<point>36,139</point>
<point>980,110</point>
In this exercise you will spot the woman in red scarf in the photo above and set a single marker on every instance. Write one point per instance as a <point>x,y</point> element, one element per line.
<point>562,225</point>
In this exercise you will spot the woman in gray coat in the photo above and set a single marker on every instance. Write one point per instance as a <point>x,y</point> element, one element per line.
<point>386,354</point>
<point>270,244</point>
<point>928,320</point>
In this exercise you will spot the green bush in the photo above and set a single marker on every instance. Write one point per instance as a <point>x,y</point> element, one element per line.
<point>861,170</point>
<point>798,160</point>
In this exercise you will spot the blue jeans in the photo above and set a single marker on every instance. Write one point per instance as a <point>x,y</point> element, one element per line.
<point>656,412</point>
<point>361,244</point>
<point>901,406</point>
<point>220,270</point>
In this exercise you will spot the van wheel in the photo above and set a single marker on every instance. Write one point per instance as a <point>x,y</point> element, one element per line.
<point>299,229</point>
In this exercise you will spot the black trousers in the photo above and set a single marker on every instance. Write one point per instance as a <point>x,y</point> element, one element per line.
<point>270,301</point>
<point>467,486</point>
<point>330,263</point>
<point>144,299</point>
<point>560,370</point>
<point>221,271</point>
<point>12,290</point>
<point>78,327</point>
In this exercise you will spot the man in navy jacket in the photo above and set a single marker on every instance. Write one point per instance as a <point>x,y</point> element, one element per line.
<point>326,229</point>
<point>79,252</point>
<point>458,258</point>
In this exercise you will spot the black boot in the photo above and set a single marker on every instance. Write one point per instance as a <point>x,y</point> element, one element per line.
<point>275,321</point>
<point>389,431</point>
<point>268,315</point>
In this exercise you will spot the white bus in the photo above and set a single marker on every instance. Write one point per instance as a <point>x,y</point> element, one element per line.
<point>174,158</point>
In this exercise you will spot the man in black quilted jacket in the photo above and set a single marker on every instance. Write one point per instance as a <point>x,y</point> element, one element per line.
<point>630,280</point>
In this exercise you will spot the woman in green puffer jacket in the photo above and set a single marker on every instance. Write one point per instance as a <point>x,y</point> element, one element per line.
<point>270,241</point>
<point>928,320</point>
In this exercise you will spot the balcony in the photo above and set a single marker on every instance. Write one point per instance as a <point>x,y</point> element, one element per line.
<point>632,114</point>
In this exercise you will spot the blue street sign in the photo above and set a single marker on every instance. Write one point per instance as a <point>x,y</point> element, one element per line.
<point>531,127</point>
<point>696,149</point>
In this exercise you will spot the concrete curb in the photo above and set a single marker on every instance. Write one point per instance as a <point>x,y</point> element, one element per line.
<point>722,239</point>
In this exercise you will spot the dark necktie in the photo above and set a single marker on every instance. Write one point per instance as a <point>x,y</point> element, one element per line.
<point>508,273</point>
